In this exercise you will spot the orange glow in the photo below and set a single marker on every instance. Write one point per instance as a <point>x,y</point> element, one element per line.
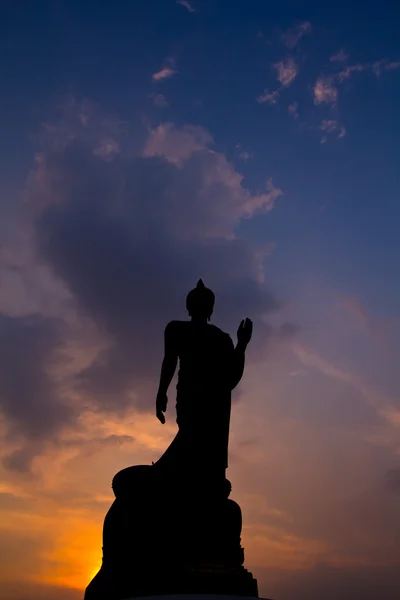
<point>76,557</point>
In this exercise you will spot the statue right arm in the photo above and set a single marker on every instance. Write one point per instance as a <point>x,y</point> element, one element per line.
<point>167,369</point>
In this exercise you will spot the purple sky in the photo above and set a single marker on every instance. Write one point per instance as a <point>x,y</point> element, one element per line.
<point>145,145</point>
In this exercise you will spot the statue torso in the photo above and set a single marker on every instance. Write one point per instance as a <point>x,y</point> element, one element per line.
<point>205,353</point>
<point>203,392</point>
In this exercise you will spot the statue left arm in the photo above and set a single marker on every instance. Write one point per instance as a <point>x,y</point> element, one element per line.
<point>244,336</point>
<point>167,371</point>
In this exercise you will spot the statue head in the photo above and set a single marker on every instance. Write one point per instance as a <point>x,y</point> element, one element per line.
<point>200,302</point>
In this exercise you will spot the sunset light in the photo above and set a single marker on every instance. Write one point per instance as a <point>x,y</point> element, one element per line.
<point>148,144</point>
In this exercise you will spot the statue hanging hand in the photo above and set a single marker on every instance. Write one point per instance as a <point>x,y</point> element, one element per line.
<point>244,332</point>
<point>161,406</point>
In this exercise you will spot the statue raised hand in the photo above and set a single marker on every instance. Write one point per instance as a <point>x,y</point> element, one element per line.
<point>245,332</point>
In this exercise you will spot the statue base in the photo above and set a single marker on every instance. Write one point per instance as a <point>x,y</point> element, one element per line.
<point>202,580</point>
<point>171,536</point>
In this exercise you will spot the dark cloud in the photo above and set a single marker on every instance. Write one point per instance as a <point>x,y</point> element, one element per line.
<point>129,238</point>
<point>29,398</point>
<point>28,395</point>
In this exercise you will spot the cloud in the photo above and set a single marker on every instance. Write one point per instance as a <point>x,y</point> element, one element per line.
<point>286,71</point>
<point>29,398</point>
<point>246,156</point>
<point>292,36</point>
<point>123,233</point>
<point>176,145</point>
<point>357,310</point>
<point>378,67</point>
<point>384,65</point>
<point>330,126</point>
<point>269,97</point>
<point>167,71</point>
<point>348,71</point>
<point>325,91</point>
<point>382,404</point>
<point>187,5</point>
<point>243,154</point>
<point>107,148</point>
<point>340,56</point>
<point>293,110</point>
<point>159,100</point>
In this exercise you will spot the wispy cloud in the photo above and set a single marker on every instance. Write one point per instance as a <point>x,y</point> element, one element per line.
<point>243,154</point>
<point>107,149</point>
<point>384,65</point>
<point>292,36</point>
<point>325,91</point>
<point>380,402</point>
<point>348,71</point>
<point>187,5</point>
<point>286,71</point>
<point>293,110</point>
<point>379,328</point>
<point>159,100</point>
<point>340,56</point>
<point>269,97</point>
<point>168,70</point>
<point>378,67</point>
<point>330,126</point>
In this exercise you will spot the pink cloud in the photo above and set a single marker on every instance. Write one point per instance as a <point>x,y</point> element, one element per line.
<point>176,145</point>
<point>169,70</point>
<point>384,65</point>
<point>379,328</point>
<point>286,71</point>
<point>334,127</point>
<point>107,149</point>
<point>269,97</point>
<point>293,110</point>
<point>179,145</point>
<point>187,5</point>
<point>325,91</point>
<point>392,65</point>
<point>384,405</point>
<point>378,67</point>
<point>340,56</point>
<point>243,154</point>
<point>355,308</point>
<point>292,36</point>
<point>348,71</point>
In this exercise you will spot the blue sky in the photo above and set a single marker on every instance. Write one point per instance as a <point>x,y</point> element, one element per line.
<point>149,143</point>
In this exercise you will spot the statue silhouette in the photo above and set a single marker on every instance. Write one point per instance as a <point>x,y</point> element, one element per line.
<point>210,367</point>
<point>196,549</point>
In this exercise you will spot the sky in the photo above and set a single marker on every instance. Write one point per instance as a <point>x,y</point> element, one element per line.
<point>253,144</point>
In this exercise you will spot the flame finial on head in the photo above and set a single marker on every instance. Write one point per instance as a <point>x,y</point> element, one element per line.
<point>200,301</point>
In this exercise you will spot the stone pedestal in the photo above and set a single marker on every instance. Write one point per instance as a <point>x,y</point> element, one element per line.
<point>165,536</point>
